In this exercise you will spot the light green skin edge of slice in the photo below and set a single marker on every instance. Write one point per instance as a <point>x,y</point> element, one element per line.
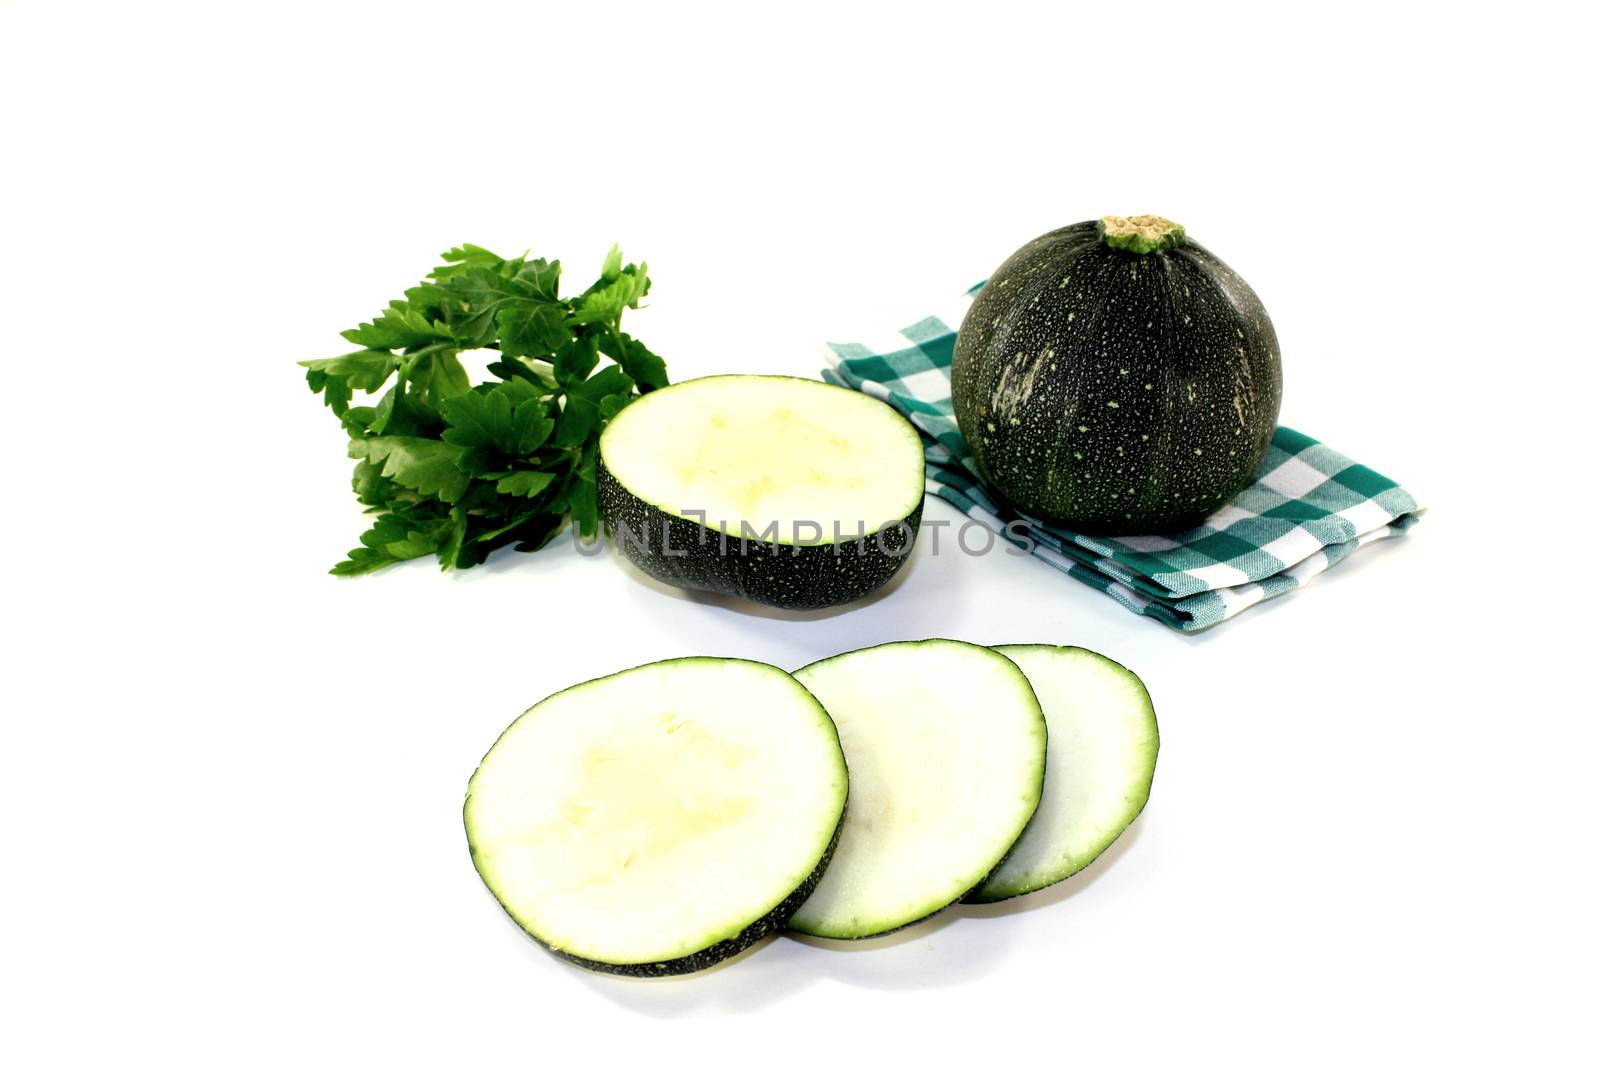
<point>938,905</point>
<point>992,893</point>
<point>736,925</point>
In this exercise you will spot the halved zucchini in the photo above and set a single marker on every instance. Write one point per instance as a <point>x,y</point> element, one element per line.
<point>656,821</point>
<point>946,746</point>
<point>1103,744</point>
<point>785,491</point>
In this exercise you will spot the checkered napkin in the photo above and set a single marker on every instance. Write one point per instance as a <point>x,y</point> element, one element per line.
<point>1309,508</point>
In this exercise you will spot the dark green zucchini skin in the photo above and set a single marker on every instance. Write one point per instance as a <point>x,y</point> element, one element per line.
<point>770,923</point>
<point>681,552</point>
<point>1116,392</point>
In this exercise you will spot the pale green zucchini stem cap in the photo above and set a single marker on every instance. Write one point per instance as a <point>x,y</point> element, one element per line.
<point>1140,233</point>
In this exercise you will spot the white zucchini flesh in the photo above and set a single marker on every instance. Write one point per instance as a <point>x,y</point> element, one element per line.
<point>643,817</point>
<point>1102,759</point>
<point>946,747</point>
<point>740,452</point>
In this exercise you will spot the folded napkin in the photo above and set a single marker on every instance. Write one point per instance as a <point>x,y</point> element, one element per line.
<point>1309,507</point>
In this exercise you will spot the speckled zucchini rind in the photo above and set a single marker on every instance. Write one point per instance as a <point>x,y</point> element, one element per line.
<point>856,463</point>
<point>688,555</point>
<point>1117,378</point>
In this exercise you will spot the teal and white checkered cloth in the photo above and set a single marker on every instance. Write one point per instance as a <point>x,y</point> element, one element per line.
<point>1309,508</point>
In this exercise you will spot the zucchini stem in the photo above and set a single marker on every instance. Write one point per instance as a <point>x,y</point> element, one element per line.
<point>1140,233</point>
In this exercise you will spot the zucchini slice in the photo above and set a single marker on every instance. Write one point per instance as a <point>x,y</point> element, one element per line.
<point>659,820</point>
<point>946,746</point>
<point>784,491</point>
<point>1103,744</point>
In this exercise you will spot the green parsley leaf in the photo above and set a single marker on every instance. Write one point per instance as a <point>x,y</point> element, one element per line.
<point>366,370</point>
<point>497,418</point>
<point>459,470</point>
<point>605,303</point>
<point>648,370</point>
<point>581,415</point>
<point>584,499</point>
<point>429,467</point>
<point>576,360</point>
<point>541,278</point>
<point>400,326</point>
<point>464,258</point>
<point>531,328</point>
<point>394,537</point>
<point>434,374</point>
<point>338,378</point>
<point>524,483</point>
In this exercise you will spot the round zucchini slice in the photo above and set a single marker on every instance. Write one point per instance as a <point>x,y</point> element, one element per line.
<point>946,746</point>
<point>784,491</point>
<point>657,821</point>
<point>1103,744</point>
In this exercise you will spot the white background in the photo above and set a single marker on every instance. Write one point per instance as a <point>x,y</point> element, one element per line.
<point>232,784</point>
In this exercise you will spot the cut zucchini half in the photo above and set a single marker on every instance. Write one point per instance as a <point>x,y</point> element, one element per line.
<point>1103,745</point>
<point>946,747</point>
<point>785,491</point>
<point>657,821</point>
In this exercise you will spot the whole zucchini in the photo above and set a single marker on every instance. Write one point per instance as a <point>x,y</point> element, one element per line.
<point>1117,378</point>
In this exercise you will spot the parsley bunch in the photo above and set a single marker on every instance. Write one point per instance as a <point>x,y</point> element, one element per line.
<point>459,470</point>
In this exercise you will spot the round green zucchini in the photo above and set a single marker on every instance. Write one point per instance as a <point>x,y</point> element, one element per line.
<point>1117,378</point>
<point>784,491</point>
